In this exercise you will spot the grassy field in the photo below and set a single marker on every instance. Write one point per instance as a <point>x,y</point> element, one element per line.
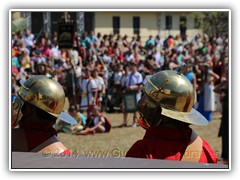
<point>119,140</point>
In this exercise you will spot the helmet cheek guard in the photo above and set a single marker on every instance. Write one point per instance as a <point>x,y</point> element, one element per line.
<point>149,112</point>
<point>17,105</point>
<point>143,123</point>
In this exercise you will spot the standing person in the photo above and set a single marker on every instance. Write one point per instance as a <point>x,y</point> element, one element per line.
<point>116,86</point>
<point>123,81</point>
<point>89,92</point>
<point>165,113</point>
<point>93,37</point>
<point>133,83</point>
<point>222,89</point>
<point>55,55</point>
<point>101,87</point>
<point>189,74</point>
<point>207,96</point>
<point>170,42</point>
<point>73,74</point>
<point>39,103</point>
<point>28,38</point>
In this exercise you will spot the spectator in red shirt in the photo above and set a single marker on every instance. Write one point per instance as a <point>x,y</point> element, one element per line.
<point>165,111</point>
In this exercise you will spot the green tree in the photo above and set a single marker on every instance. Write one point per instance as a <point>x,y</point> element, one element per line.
<point>215,22</point>
<point>18,25</point>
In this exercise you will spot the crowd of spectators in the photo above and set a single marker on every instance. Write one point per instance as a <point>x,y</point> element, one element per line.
<point>107,57</point>
<point>102,66</point>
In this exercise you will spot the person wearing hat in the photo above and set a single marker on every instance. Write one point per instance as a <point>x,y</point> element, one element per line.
<point>39,103</point>
<point>165,111</point>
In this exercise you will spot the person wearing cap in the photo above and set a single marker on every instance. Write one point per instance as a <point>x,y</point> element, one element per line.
<point>165,111</point>
<point>38,104</point>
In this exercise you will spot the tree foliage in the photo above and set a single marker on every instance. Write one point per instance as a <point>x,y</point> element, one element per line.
<point>18,25</point>
<point>216,22</point>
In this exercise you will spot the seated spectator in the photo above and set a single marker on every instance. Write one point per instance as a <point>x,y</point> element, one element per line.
<point>79,117</point>
<point>97,123</point>
<point>68,128</point>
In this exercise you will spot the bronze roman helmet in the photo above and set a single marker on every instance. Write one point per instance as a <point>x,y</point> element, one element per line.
<point>174,93</point>
<point>45,94</point>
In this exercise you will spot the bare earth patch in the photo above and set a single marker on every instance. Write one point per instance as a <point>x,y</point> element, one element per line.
<point>119,140</point>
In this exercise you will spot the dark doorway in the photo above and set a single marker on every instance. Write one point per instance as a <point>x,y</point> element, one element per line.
<point>88,21</point>
<point>37,22</point>
<point>136,25</point>
<point>116,24</point>
<point>183,26</point>
<point>56,17</point>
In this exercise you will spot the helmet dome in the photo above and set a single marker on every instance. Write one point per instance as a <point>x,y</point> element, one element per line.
<point>175,94</point>
<point>45,94</point>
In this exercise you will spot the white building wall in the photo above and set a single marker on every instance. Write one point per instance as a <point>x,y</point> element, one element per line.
<point>175,20</point>
<point>103,23</point>
<point>190,22</point>
<point>148,24</point>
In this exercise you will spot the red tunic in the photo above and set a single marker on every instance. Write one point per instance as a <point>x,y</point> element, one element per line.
<point>168,144</point>
<point>37,133</point>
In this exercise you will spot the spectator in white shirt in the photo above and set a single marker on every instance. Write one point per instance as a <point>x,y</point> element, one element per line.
<point>28,39</point>
<point>101,86</point>
<point>133,83</point>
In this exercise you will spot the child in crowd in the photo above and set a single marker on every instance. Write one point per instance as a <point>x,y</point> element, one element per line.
<point>79,117</point>
<point>97,123</point>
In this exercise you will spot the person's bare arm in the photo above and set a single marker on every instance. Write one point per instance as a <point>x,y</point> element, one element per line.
<point>104,90</point>
<point>194,83</point>
<point>95,95</point>
<point>198,71</point>
<point>214,75</point>
<point>80,61</point>
<point>78,124</point>
<point>96,126</point>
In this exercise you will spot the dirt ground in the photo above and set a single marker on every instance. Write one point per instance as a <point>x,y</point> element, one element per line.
<point>119,140</point>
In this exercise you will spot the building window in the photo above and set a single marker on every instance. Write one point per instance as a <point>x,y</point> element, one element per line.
<point>168,22</point>
<point>136,25</point>
<point>116,24</point>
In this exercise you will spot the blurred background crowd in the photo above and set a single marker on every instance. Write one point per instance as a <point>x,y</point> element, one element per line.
<point>101,68</point>
<point>108,59</point>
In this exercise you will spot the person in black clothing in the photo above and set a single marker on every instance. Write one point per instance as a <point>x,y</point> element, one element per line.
<point>222,89</point>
